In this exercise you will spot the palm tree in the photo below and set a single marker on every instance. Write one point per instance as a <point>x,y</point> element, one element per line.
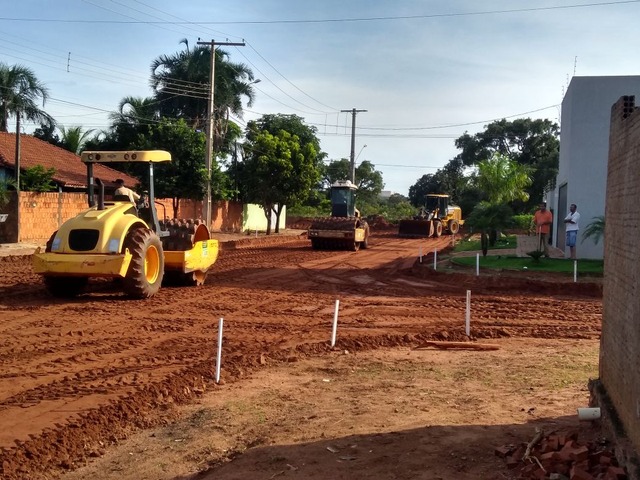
<point>74,139</point>
<point>595,230</point>
<point>181,85</point>
<point>503,180</point>
<point>20,91</point>
<point>135,111</point>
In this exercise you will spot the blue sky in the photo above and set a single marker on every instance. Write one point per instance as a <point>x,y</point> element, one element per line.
<point>425,71</point>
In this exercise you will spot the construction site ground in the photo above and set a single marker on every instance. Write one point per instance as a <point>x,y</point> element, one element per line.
<point>105,387</point>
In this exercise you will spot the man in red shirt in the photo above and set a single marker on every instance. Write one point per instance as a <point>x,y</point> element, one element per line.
<point>543,219</point>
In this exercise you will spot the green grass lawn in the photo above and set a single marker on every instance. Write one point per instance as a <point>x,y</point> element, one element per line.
<point>466,245</point>
<point>561,265</point>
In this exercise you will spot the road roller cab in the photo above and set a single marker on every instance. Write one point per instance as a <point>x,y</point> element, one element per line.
<point>118,239</point>
<point>344,229</point>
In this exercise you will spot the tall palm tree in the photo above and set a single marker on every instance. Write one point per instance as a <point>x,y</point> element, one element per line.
<point>181,85</point>
<point>74,139</point>
<point>20,92</point>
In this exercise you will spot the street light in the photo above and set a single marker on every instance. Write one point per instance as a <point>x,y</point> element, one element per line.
<point>363,147</point>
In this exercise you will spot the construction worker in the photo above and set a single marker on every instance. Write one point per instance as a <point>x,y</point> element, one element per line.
<point>122,190</point>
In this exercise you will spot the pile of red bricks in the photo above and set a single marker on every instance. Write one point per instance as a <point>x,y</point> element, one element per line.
<point>561,457</point>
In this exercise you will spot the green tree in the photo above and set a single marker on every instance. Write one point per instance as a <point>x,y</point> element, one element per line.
<point>185,176</point>
<point>396,207</point>
<point>368,180</point>
<point>131,120</point>
<point>277,170</point>
<point>502,180</point>
<point>74,138</point>
<point>449,179</point>
<point>6,186</point>
<point>531,143</point>
<point>47,133</point>
<point>136,111</point>
<point>595,229</point>
<point>38,179</point>
<point>20,91</point>
<point>181,85</point>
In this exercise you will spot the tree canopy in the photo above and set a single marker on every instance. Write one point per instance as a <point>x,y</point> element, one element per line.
<point>20,92</point>
<point>368,180</point>
<point>502,181</point>
<point>278,168</point>
<point>531,143</point>
<point>181,84</point>
<point>185,176</point>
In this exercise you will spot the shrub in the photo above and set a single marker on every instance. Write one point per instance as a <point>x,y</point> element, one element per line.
<point>522,222</point>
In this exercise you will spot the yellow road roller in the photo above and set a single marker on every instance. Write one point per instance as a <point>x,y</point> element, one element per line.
<point>123,240</point>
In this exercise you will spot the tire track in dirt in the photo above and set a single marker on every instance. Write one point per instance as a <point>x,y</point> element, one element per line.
<point>75,371</point>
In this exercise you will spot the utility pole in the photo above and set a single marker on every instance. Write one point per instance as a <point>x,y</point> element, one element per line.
<point>18,175</point>
<point>354,112</point>
<point>210,154</point>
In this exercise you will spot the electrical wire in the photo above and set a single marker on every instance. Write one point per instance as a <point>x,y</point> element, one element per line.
<point>326,20</point>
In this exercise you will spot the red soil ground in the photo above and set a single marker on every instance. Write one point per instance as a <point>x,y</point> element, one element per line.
<point>78,375</point>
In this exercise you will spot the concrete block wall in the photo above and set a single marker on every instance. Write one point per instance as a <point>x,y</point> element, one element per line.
<point>620,341</point>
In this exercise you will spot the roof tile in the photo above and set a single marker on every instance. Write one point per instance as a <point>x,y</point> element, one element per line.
<point>70,171</point>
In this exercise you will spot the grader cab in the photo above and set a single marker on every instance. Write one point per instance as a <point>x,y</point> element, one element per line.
<point>120,240</point>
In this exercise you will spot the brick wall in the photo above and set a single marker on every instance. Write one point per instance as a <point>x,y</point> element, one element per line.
<point>620,341</point>
<point>226,216</point>
<point>42,213</point>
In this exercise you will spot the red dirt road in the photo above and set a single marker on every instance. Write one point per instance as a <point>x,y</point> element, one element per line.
<point>77,375</point>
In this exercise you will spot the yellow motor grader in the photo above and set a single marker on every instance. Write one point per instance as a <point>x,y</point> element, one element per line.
<point>433,220</point>
<point>118,239</point>
<point>344,229</point>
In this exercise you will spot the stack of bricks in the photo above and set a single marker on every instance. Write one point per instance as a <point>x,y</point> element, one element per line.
<point>561,457</point>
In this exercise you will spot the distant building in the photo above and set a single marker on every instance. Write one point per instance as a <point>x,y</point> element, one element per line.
<point>385,194</point>
<point>584,150</point>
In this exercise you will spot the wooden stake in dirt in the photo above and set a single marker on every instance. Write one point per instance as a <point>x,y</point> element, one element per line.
<point>335,324</point>
<point>219,354</point>
<point>467,317</point>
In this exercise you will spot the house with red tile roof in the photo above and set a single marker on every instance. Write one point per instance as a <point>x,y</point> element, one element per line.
<point>70,173</point>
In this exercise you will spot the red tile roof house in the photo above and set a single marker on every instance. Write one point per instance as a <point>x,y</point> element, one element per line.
<point>41,214</point>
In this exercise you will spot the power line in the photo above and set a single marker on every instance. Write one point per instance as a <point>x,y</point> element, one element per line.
<point>333,110</point>
<point>326,20</point>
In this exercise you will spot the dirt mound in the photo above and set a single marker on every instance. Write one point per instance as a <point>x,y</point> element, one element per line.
<point>379,222</point>
<point>263,241</point>
<point>299,223</point>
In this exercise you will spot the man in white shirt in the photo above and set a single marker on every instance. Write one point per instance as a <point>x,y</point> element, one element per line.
<point>571,222</point>
<point>122,190</point>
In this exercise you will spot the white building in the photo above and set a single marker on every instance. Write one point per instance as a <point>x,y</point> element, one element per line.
<point>584,152</point>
